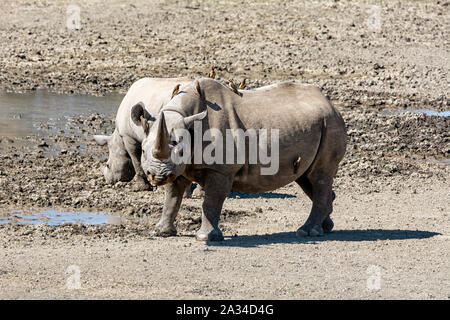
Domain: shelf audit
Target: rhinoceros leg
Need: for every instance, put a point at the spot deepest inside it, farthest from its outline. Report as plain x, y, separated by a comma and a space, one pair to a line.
303, 182
133, 148
322, 198
320, 176
216, 187
173, 195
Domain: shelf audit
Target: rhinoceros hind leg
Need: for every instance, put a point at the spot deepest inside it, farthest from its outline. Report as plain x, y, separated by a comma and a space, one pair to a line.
327, 224
320, 191
312, 230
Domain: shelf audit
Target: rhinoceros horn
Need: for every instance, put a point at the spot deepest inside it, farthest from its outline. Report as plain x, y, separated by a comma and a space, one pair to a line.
161, 149
189, 121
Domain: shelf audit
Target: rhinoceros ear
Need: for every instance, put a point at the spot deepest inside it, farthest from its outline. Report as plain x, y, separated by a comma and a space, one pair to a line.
101, 139
136, 112
198, 89
140, 116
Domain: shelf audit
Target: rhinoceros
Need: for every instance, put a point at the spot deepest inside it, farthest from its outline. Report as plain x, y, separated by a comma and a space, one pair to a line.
148, 95
311, 142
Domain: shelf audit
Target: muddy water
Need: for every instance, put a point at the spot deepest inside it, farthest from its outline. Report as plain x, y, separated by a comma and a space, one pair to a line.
23, 115
427, 112
54, 218
20, 114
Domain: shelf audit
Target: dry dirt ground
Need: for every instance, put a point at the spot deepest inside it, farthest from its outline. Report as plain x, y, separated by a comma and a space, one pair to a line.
391, 214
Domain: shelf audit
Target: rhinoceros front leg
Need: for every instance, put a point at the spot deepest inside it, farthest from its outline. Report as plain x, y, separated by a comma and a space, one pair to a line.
321, 195
140, 182
216, 187
173, 195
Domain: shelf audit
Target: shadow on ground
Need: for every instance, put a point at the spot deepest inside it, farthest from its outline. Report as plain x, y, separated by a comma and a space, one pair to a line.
339, 235
267, 195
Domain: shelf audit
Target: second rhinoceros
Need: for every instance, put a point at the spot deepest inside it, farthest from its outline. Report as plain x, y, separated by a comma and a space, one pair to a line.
148, 95
311, 141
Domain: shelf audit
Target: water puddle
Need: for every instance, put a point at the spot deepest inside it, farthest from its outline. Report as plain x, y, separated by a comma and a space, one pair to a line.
22, 113
434, 161
55, 218
387, 112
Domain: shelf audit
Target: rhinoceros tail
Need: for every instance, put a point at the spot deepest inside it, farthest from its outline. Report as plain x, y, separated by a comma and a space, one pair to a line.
319, 149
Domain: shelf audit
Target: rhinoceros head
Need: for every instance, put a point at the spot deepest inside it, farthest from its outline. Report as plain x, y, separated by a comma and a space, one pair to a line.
119, 166
163, 149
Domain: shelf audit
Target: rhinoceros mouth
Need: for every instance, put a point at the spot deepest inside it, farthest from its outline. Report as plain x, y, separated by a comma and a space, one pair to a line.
160, 181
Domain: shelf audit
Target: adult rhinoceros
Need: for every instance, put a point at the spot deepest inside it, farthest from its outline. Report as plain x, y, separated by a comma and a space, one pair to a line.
312, 142
124, 145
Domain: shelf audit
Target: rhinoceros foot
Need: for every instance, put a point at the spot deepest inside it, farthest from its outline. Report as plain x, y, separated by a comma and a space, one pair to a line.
163, 230
140, 184
213, 235
310, 230
327, 225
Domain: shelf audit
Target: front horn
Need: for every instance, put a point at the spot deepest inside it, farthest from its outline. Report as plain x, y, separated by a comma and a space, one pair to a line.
161, 149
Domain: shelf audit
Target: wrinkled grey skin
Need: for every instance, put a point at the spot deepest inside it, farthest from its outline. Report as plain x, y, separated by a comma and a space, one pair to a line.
310, 127
125, 143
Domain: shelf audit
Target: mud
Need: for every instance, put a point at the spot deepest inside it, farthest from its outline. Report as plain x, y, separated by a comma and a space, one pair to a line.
404, 63
392, 188
65, 170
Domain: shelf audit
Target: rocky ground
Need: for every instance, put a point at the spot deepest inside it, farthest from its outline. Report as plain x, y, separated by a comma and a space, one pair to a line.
402, 61
391, 213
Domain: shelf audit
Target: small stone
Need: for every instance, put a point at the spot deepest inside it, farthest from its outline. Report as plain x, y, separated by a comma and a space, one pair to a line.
43, 144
